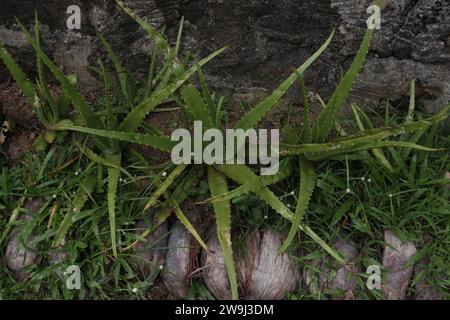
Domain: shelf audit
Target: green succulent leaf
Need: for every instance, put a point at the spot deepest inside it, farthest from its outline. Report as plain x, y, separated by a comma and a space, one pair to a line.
252, 118
218, 185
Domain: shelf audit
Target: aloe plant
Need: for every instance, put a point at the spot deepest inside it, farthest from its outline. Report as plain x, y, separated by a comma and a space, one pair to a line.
115, 130
108, 125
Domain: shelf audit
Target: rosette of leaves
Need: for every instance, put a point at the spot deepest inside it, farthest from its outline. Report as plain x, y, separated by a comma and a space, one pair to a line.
117, 117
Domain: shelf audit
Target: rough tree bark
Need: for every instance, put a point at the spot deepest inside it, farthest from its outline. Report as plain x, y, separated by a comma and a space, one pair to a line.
266, 39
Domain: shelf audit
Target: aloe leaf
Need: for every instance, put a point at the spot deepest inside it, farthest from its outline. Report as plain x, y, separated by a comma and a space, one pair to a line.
243, 174
113, 179
85, 189
91, 155
378, 153
307, 134
308, 180
262, 181
218, 185
252, 118
206, 94
19, 76
196, 106
154, 141
165, 185
135, 117
151, 74
326, 119
77, 99
120, 70
368, 136
185, 221
111, 119
157, 37
368, 146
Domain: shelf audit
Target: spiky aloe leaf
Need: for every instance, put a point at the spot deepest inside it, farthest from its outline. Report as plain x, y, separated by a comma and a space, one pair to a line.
134, 118
77, 99
151, 74
157, 37
83, 193
19, 76
42, 81
185, 221
206, 94
218, 185
120, 70
326, 119
111, 119
308, 180
368, 146
179, 195
113, 179
257, 113
243, 174
378, 153
368, 136
162, 188
195, 106
307, 134
154, 141
285, 171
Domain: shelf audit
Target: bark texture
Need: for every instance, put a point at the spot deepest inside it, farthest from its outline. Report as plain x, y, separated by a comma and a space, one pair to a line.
266, 39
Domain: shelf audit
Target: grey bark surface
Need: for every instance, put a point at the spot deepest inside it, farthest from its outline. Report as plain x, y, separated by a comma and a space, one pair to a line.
266, 39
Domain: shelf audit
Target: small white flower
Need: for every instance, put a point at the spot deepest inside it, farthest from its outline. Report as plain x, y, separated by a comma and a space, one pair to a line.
75, 209
164, 174
348, 191
124, 180
363, 178
76, 173
120, 180
292, 193
54, 196
265, 217
390, 195
135, 290
161, 267
369, 180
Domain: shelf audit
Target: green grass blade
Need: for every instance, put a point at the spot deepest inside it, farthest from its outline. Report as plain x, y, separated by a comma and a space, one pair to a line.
257, 113
113, 179
85, 189
327, 117
243, 174
308, 180
218, 185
